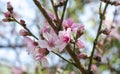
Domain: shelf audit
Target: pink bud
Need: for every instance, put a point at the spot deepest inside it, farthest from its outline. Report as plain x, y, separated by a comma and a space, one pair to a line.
6, 20
97, 58
106, 31
80, 44
7, 14
9, 7
67, 23
22, 22
35, 43
81, 27
23, 32
82, 56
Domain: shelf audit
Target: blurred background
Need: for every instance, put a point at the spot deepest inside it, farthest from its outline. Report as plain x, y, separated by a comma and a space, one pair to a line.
15, 60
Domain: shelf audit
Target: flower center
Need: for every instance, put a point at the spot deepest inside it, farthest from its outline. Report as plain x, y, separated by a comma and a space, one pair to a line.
66, 39
51, 43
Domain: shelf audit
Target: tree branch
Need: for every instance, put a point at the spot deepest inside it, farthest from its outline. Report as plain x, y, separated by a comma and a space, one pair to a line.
41, 8
102, 16
78, 64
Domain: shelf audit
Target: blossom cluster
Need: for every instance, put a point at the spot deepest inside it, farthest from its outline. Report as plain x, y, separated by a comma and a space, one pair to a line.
49, 41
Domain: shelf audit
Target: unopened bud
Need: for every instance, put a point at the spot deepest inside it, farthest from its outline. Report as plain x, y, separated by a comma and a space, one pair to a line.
82, 56
35, 43
80, 31
22, 22
97, 58
106, 31
116, 3
80, 44
7, 14
9, 7
23, 32
61, 3
42, 51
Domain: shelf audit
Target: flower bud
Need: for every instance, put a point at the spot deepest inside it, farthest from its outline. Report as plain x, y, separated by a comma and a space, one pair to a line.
35, 43
116, 3
80, 44
61, 3
82, 56
22, 22
7, 14
106, 31
80, 31
9, 7
6, 20
23, 32
97, 58
42, 51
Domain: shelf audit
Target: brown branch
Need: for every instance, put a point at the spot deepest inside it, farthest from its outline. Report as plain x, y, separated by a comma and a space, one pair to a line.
55, 10
41, 8
78, 64
102, 17
61, 20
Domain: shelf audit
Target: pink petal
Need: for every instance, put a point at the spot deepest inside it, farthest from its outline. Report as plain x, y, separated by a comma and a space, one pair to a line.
80, 44
43, 44
29, 44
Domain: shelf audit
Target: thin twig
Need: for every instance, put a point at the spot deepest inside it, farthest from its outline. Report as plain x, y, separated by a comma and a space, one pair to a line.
55, 10
102, 16
31, 34
62, 17
63, 58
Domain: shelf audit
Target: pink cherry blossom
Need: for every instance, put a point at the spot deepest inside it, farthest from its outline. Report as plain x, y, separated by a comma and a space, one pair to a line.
49, 41
38, 54
82, 56
80, 44
115, 33
7, 14
75, 27
41, 53
9, 7
30, 46
67, 23
41, 56
23, 32
64, 39
47, 28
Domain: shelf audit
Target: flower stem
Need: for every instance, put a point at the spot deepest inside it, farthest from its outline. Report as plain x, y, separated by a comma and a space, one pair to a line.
31, 34
102, 16
63, 58
63, 13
